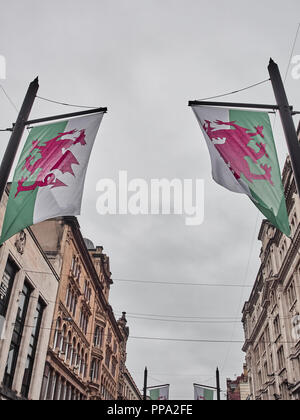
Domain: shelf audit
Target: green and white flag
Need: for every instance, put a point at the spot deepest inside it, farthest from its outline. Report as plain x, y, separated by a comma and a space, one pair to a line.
160, 393
203, 394
244, 158
49, 177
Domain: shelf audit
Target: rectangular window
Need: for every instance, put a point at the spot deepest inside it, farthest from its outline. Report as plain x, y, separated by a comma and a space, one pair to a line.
277, 327
292, 294
17, 336
6, 286
107, 358
32, 348
281, 361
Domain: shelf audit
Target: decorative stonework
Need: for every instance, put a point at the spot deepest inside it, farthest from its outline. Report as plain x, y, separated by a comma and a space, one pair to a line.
21, 242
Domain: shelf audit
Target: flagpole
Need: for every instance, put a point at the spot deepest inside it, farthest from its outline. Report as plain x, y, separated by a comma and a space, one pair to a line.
286, 119
218, 384
145, 384
16, 136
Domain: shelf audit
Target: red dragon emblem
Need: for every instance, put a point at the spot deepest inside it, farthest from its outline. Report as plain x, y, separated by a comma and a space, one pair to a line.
233, 145
44, 159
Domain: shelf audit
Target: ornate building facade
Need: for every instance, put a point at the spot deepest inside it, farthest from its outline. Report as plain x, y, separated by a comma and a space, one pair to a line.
271, 315
87, 349
28, 288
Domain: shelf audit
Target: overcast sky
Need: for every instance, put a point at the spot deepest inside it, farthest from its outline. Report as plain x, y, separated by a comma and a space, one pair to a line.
144, 59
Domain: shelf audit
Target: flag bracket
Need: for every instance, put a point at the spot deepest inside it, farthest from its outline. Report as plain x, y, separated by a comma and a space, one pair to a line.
236, 105
65, 116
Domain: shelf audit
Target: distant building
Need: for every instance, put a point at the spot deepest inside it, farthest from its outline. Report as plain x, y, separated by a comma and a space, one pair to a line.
271, 315
28, 288
238, 389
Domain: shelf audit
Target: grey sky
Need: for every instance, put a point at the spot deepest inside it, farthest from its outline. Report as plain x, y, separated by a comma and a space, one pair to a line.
145, 60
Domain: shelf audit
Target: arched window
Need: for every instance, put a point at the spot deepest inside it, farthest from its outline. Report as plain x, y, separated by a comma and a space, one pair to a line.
63, 339
98, 336
68, 296
81, 364
73, 353
57, 335
68, 347
93, 369
85, 365
73, 264
78, 357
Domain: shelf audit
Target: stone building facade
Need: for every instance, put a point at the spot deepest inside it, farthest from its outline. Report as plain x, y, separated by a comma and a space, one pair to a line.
28, 288
271, 315
87, 351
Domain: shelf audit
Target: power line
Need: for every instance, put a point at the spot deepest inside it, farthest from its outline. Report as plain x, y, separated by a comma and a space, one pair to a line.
128, 314
65, 103
182, 284
161, 282
235, 91
193, 340
185, 322
9, 99
185, 340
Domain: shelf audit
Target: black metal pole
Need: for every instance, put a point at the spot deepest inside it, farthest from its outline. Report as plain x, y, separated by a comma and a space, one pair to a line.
15, 138
218, 385
145, 384
286, 119
234, 105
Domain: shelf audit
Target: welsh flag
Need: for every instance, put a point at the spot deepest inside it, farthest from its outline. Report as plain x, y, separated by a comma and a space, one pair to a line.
244, 158
203, 394
160, 393
49, 177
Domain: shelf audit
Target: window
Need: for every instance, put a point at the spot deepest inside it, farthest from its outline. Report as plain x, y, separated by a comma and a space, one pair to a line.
32, 348
98, 338
281, 360
73, 264
273, 299
6, 286
271, 363
266, 372
17, 336
292, 294
73, 353
267, 335
94, 370
259, 379
256, 354
113, 368
84, 321
109, 336
263, 344
81, 364
68, 347
71, 300
57, 335
107, 357
277, 328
